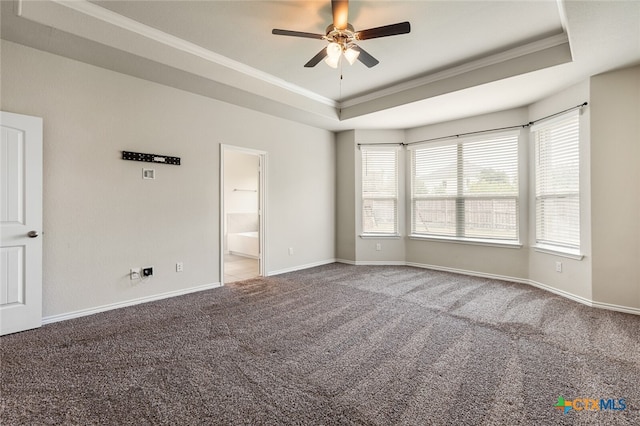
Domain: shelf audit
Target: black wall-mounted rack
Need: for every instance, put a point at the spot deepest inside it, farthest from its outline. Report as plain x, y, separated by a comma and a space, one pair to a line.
150, 158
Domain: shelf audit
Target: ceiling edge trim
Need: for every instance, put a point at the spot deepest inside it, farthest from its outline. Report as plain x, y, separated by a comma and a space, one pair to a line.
109, 17
534, 61
516, 52
562, 14
564, 21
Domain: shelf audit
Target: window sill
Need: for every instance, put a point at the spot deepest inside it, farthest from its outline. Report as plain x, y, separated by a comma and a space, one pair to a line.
468, 241
380, 236
557, 251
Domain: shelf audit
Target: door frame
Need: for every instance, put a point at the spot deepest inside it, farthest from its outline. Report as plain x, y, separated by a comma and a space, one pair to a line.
262, 205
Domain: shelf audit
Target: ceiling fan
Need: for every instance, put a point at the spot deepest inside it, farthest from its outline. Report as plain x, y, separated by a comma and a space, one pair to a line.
342, 38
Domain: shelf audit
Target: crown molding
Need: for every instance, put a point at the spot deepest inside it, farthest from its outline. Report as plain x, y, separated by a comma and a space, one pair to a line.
88, 21
497, 58
94, 11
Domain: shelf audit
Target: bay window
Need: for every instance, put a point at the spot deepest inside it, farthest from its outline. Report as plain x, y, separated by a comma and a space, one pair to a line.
466, 188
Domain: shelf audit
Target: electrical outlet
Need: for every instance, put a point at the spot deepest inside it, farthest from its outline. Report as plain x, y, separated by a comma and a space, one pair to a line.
179, 267
558, 266
147, 272
134, 274
378, 246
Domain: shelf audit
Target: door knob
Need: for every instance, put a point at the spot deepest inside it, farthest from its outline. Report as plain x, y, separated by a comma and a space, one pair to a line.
32, 234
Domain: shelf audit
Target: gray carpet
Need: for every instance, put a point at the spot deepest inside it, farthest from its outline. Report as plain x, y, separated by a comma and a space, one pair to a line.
335, 344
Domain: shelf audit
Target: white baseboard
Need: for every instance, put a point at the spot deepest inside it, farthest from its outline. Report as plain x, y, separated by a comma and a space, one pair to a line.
584, 300
617, 308
562, 293
132, 302
381, 262
300, 267
571, 296
566, 294
372, 262
470, 273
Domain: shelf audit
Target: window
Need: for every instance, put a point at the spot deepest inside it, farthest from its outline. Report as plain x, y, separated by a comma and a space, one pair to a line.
557, 174
379, 190
466, 189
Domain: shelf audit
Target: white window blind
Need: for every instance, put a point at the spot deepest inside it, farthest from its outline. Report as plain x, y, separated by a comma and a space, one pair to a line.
557, 173
466, 188
379, 190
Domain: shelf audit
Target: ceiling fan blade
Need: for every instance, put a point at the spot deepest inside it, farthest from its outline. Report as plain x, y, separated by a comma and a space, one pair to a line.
296, 34
316, 59
385, 31
365, 57
340, 9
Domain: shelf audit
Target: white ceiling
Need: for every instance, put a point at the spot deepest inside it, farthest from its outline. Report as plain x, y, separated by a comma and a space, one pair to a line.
461, 58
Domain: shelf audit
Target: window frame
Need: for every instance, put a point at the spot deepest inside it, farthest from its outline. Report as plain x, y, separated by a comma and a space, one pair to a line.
460, 198
544, 242
395, 233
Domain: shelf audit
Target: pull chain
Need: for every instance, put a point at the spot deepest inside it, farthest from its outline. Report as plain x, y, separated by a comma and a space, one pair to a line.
340, 88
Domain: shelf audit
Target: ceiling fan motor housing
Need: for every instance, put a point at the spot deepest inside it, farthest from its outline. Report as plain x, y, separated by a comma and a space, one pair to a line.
344, 38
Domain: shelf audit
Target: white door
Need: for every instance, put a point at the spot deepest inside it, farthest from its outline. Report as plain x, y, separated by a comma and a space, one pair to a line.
20, 222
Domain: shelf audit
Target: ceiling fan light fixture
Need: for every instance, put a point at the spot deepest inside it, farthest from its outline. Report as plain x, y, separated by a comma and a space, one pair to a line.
332, 61
334, 50
351, 54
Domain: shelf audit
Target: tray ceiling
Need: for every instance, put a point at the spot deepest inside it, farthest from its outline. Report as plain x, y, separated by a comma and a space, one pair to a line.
461, 58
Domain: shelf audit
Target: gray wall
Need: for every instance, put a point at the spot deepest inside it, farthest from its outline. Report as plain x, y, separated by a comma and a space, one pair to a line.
345, 197
351, 246
615, 183
101, 218
608, 275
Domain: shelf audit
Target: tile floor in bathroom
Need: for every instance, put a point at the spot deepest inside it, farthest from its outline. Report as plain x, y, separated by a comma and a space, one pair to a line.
237, 268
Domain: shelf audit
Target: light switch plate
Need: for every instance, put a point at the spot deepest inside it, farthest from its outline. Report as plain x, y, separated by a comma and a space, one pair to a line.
148, 174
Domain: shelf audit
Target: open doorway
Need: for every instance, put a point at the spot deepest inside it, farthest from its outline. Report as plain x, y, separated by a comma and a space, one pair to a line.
242, 219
